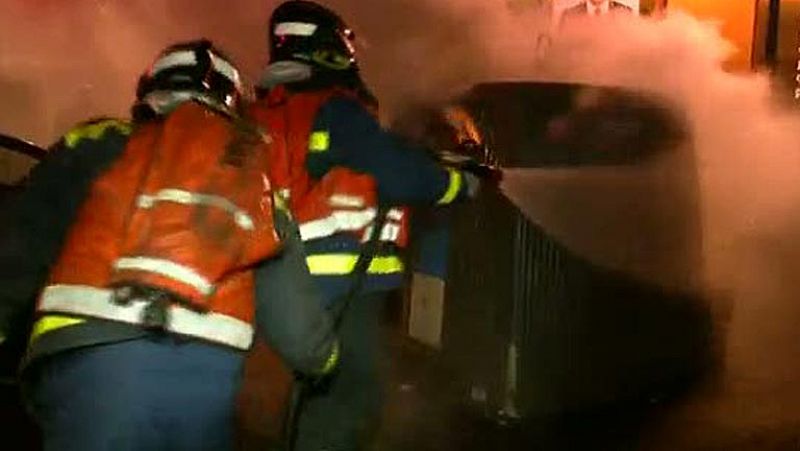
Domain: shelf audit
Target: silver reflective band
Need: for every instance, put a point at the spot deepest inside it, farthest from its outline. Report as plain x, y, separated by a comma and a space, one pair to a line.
174, 59
343, 220
395, 214
338, 221
390, 232
188, 58
184, 197
343, 200
295, 29
96, 302
226, 69
169, 269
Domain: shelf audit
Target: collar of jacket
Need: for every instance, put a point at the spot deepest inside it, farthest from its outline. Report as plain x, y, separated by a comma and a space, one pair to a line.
296, 76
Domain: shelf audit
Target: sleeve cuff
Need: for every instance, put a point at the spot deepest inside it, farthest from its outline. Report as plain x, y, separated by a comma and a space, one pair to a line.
453, 187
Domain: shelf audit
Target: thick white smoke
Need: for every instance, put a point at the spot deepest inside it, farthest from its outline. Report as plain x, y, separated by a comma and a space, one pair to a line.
747, 149
61, 62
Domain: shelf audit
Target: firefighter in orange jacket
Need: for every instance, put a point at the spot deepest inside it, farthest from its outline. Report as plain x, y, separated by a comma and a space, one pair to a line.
340, 169
172, 237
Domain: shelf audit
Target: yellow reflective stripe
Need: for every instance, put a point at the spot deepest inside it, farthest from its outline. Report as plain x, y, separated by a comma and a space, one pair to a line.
331, 60
50, 323
340, 264
333, 359
453, 188
95, 131
319, 141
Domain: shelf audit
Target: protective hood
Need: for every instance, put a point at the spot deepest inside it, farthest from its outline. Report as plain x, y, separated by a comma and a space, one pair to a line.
283, 72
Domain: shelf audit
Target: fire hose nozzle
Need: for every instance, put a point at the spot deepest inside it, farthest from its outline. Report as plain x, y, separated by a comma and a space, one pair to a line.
486, 172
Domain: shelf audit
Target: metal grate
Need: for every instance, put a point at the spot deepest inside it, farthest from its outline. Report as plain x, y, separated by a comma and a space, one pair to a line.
582, 336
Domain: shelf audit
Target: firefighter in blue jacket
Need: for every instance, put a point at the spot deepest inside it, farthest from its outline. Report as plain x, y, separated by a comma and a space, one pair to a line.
341, 171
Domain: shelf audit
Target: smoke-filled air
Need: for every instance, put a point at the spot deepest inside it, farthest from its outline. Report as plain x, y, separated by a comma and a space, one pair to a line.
64, 61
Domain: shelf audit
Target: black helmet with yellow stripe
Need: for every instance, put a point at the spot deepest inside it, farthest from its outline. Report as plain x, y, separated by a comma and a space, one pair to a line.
307, 32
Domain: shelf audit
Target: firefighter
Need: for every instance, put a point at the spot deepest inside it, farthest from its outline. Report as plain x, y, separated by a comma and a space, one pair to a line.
343, 175
159, 236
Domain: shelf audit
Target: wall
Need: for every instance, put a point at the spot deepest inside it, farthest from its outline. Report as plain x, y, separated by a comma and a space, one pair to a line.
737, 18
787, 59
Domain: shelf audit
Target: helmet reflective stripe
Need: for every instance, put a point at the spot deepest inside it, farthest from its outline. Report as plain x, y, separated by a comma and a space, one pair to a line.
295, 29
97, 302
188, 71
308, 32
189, 58
225, 68
174, 59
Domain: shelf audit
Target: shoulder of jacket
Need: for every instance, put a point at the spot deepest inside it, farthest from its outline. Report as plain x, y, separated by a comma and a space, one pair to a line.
345, 105
95, 129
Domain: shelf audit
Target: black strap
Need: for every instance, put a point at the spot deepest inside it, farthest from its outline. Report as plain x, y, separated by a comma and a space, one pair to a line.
368, 251
301, 387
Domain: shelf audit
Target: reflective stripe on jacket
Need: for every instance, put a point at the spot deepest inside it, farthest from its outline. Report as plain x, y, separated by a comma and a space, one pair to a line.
185, 210
98, 303
341, 203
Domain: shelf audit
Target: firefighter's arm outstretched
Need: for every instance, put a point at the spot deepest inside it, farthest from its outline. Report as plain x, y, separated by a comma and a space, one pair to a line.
289, 308
346, 134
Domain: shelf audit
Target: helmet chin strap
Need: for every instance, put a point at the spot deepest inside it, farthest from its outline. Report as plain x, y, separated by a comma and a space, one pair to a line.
331, 60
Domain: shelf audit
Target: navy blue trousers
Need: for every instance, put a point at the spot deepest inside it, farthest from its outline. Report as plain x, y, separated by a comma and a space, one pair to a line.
144, 394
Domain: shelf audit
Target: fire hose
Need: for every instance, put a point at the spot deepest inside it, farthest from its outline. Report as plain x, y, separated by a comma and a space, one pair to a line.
303, 386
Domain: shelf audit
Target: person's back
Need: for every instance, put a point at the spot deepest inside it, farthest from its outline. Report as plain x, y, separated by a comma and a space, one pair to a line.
153, 291
344, 176
339, 163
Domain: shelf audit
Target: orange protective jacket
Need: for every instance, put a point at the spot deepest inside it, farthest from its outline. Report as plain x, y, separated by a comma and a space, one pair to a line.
342, 201
185, 213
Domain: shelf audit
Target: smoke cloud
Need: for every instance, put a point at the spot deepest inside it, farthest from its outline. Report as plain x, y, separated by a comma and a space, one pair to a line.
61, 62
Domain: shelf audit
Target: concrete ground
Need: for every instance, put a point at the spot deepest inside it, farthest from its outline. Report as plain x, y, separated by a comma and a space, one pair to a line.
425, 413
